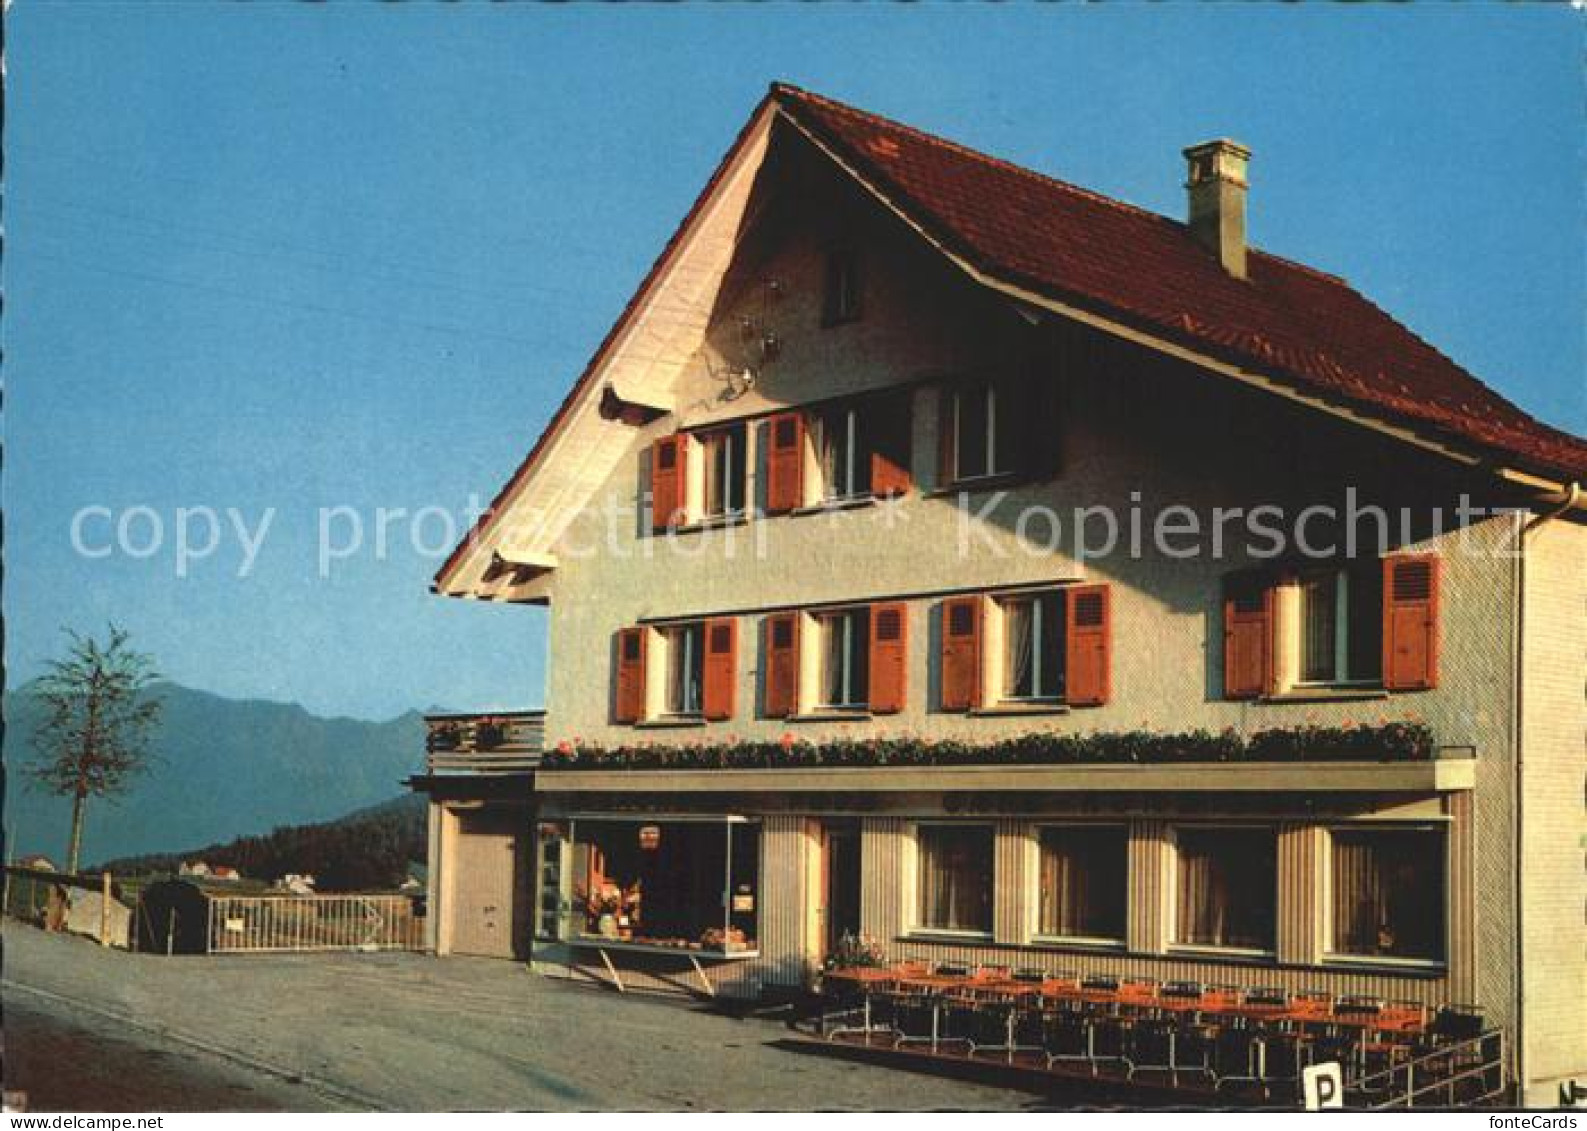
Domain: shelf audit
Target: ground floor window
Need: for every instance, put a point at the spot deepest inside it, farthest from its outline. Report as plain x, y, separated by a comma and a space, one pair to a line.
683, 884
1226, 888
1388, 893
955, 878
1084, 885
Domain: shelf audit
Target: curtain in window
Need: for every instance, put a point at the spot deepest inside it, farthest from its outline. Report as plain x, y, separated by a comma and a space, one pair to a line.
1388, 893
1018, 627
835, 646
1226, 887
955, 878
1083, 882
684, 670
1317, 596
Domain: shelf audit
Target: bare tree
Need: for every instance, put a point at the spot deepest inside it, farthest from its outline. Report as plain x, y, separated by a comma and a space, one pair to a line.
99, 715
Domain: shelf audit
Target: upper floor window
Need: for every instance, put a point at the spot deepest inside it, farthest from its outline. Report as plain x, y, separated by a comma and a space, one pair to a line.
1083, 882
1019, 650
978, 431
1227, 888
685, 672
1341, 624
724, 471
845, 453
845, 654
1373, 622
954, 878
841, 300
1033, 647
1388, 893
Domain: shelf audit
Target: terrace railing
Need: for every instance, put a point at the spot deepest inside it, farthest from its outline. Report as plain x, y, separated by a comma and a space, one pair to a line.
1467, 1073
503, 742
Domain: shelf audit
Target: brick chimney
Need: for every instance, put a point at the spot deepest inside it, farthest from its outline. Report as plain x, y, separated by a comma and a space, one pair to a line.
1217, 200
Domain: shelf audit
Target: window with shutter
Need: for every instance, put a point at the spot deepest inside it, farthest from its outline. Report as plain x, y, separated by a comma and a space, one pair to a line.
668, 480
1410, 622
889, 658
1088, 667
721, 668
781, 668
1247, 635
785, 462
961, 653
629, 694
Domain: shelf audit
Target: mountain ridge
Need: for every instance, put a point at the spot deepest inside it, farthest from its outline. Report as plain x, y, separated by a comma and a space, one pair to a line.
222, 768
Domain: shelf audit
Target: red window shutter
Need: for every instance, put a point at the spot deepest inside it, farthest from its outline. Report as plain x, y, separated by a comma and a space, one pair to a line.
1410, 622
889, 657
630, 693
1088, 661
782, 665
667, 478
890, 419
721, 668
1247, 635
785, 462
961, 653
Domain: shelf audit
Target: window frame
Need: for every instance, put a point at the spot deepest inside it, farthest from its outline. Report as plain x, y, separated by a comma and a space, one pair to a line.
1034, 598
673, 669
1042, 937
1175, 944
1333, 956
994, 433
1344, 615
856, 654
733, 483
916, 927
855, 452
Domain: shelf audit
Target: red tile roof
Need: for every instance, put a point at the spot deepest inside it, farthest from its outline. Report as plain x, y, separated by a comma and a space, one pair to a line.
1309, 329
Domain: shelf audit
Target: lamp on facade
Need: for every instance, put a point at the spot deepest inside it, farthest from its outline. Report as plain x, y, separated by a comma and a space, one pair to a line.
649, 837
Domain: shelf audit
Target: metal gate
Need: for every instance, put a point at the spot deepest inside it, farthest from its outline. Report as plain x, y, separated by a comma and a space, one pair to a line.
256, 924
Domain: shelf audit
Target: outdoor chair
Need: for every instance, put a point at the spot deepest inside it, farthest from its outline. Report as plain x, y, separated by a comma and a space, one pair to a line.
1109, 1037
992, 1029
958, 1021
1235, 1055
1455, 1023
914, 1020
1065, 1036
1195, 1044
1151, 1046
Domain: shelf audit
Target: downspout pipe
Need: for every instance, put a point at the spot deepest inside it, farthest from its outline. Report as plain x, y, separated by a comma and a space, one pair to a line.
1573, 495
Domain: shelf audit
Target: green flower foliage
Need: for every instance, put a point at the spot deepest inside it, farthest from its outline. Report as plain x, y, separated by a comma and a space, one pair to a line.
1387, 742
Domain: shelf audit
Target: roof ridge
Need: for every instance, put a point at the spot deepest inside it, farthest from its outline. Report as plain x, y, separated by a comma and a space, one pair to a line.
968, 151
781, 89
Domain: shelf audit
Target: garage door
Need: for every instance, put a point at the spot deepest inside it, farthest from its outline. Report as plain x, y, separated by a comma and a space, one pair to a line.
489, 883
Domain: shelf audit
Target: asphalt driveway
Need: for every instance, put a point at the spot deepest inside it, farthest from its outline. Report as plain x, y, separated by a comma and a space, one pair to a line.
403, 1032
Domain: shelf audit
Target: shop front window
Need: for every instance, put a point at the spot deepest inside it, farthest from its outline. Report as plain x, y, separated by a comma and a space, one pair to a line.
677, 884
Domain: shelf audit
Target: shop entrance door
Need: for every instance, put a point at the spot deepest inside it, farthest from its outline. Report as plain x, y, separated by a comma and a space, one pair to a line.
841, 872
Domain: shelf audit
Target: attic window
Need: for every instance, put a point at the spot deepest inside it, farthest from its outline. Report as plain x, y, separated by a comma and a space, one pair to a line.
842, 300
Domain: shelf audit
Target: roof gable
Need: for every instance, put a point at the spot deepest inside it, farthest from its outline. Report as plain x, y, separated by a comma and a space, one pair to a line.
1298, 327
1146, 270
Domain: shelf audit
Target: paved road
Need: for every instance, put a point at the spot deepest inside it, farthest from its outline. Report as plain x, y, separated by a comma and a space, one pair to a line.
410, 1033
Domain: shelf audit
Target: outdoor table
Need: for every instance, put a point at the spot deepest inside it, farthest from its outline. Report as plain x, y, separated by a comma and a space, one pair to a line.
867, 979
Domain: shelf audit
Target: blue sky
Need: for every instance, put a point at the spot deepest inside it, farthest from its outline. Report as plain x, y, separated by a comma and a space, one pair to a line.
293, 257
